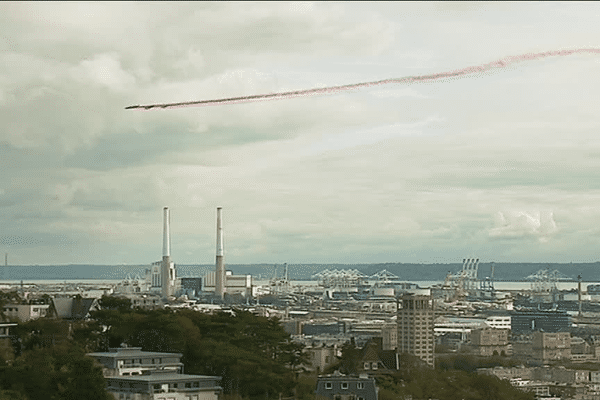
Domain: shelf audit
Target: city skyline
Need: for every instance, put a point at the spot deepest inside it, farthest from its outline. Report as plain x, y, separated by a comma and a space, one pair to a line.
498, 164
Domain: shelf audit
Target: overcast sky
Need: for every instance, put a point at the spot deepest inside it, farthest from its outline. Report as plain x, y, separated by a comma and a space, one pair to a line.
503, 165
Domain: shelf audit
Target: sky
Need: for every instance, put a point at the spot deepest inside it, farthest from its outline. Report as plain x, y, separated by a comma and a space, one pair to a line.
502, 165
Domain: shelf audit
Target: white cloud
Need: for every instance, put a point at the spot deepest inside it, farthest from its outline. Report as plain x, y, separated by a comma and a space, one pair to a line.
520, 223
104, 70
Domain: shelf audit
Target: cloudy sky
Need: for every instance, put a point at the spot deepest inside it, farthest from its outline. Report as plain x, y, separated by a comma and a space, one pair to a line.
503, 165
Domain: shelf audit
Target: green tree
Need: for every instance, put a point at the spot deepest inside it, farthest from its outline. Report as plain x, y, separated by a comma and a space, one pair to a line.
118, 303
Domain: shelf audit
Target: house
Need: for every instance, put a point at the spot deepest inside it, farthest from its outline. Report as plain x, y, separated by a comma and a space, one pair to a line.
25, 312
375, 360
321, 357
346, 387
5, 328
6, 348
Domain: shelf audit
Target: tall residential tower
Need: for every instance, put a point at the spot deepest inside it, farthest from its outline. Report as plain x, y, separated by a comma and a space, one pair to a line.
415, 326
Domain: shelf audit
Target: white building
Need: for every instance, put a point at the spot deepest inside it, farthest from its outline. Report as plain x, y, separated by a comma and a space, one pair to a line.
125, 361
26, 312
499, 322
164, 385
133, 374
234, 284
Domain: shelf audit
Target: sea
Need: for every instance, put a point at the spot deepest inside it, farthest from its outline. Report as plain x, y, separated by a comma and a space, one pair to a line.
113, 274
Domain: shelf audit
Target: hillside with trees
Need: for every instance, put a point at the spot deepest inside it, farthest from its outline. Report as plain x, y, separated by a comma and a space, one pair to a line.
254, 356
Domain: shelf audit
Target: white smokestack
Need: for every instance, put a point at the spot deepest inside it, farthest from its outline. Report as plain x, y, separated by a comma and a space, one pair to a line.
220, 267
219, 232
165, 274
166, 234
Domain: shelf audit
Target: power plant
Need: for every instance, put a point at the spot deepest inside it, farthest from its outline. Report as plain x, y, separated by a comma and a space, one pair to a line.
162, 277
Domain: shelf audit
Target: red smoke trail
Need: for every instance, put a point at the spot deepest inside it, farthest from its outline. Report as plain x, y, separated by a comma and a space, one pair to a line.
502, 63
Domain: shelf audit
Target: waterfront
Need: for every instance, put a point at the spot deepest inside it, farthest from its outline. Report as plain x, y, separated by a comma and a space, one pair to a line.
107, 283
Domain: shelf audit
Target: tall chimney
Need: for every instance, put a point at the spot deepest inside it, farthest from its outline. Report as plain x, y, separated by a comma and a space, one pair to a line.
220, 267
166, 260
579, 293
166, 233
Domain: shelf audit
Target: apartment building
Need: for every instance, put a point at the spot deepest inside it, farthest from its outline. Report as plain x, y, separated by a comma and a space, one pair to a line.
549, 346
416, 327
164, 385
489, 342
133, 374
130, 361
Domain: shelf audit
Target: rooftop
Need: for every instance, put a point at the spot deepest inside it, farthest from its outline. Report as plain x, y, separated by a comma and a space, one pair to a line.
132, 352
164, 377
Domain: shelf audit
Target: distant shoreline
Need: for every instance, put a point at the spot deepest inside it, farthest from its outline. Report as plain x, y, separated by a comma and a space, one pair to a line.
503, 272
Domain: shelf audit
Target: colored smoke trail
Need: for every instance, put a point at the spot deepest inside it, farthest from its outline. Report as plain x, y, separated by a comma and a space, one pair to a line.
502, 63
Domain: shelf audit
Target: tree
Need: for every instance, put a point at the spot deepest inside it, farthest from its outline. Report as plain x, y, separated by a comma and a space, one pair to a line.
61, 372
119, 303
350, 357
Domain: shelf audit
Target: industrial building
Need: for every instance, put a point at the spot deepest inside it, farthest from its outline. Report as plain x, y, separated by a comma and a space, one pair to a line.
161, 277
233, 284
535, 320
191, 286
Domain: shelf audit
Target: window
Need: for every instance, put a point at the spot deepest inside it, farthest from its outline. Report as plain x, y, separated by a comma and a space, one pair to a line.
188, 385
360, 385
328, 385
374, 365
344, 385
361, 398
367, 365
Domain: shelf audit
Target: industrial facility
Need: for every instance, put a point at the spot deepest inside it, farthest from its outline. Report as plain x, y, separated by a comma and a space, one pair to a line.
162, 278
